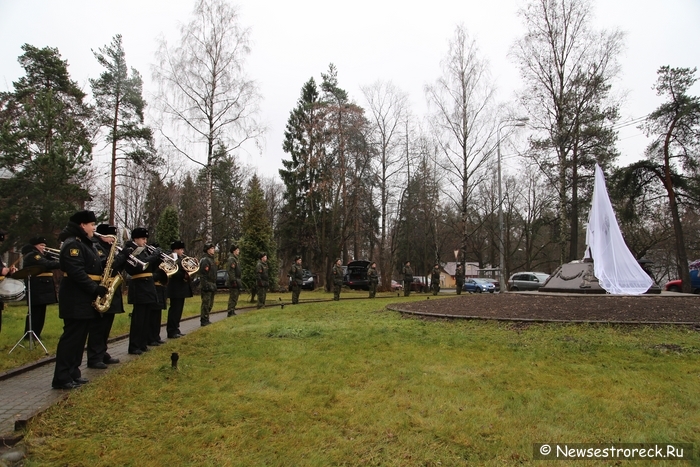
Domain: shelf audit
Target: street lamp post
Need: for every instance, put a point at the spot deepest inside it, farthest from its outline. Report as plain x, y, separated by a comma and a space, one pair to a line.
501, 266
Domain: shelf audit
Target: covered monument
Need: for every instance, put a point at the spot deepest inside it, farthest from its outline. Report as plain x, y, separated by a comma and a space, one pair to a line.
608, 265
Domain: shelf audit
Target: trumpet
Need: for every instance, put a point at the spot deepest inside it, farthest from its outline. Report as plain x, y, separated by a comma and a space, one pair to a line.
133, 260
168, 265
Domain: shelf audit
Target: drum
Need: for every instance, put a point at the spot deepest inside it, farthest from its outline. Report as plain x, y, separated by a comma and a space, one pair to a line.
11, 290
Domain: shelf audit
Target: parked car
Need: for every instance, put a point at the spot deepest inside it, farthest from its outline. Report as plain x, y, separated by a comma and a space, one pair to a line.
420, 284
221, 277
396, 285
677, 284
478, 286
310, 281
356, 276
527, 280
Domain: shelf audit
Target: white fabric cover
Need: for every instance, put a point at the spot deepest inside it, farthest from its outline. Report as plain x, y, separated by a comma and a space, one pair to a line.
617, 270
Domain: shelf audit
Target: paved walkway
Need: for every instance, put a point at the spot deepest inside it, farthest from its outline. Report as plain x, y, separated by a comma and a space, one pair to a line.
26, 395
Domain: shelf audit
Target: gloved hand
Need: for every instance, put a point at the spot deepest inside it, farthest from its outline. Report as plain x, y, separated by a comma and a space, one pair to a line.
100, 292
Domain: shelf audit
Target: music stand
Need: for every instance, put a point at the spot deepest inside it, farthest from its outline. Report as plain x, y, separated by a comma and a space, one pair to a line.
27, 273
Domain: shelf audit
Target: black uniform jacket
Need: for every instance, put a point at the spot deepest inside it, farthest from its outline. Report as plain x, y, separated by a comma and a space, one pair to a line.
142, 289
82, 273
179, 284
160, 279
103, 248
41, 285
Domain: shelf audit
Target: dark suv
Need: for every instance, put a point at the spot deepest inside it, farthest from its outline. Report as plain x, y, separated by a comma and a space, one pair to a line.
310, 281
356, 276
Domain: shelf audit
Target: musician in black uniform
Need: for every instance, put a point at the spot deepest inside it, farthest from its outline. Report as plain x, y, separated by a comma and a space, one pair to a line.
160, 279
179, 288
82, 271
142, 290
4, 271
97, 355
41, 286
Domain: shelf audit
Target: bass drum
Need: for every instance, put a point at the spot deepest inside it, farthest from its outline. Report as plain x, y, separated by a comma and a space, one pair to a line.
11, 290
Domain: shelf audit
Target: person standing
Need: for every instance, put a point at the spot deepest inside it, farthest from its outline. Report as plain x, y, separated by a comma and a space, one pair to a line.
373, 279
233, 280
407, 278
41, 286
459, 278
179, 288
296, 279
435, 279
142, 290
155, 318
207, 284
97, 355
262, 279
337, 273
82, 273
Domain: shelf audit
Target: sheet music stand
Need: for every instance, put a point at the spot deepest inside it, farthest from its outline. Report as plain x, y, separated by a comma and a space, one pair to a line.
22, 274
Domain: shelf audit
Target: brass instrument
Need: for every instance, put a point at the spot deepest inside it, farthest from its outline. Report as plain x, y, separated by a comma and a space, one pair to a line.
102, 304
168, 264
131, 259
52, 253
189, 264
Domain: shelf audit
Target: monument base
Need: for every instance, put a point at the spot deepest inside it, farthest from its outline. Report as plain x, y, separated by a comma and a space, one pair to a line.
579, 277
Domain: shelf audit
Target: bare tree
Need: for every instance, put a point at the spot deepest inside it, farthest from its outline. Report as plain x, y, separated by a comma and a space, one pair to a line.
388, 107
567, 68
462, 121
204, 92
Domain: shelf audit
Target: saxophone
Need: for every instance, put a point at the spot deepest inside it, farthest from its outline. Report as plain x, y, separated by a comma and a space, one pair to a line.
102, 304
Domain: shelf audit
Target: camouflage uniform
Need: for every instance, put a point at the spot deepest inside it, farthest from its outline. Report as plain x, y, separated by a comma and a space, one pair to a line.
296, 279
337, 272
435, 280
459, 279
207, 285
373, 279
262, 276
233, 282
407, 279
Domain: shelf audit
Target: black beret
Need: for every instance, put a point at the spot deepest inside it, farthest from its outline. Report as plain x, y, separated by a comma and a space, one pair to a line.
177, 244
83, 217
207, 247
37, 240
106, 229
139, 232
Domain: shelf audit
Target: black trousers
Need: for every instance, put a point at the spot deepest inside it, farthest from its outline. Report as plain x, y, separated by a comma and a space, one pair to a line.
69, 352
97, 339
154, 318
139, 330
38, 319
175, 315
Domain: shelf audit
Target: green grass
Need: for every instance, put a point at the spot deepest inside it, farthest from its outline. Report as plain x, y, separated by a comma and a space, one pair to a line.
346, 383
13, 318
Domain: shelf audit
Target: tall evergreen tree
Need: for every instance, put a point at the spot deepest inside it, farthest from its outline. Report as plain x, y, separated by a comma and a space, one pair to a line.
257, 236
44, 145
119, 108
168, 227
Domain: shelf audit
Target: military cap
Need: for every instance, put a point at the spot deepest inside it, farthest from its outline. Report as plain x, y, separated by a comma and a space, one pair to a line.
262, 253
37, 240
297, 257
106, 229
177, 244
139, 232
233, 248
208, 246
83, 217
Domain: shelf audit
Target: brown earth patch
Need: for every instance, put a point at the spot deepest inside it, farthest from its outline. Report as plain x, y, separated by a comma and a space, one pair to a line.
546, 307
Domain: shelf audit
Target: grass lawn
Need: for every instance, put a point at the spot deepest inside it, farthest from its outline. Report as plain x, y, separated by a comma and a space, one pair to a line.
347, 383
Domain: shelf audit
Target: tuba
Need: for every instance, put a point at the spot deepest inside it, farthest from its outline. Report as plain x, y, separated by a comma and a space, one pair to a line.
102, 304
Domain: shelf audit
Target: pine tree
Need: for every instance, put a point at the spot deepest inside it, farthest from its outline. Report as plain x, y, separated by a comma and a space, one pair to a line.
257, 236
168, 227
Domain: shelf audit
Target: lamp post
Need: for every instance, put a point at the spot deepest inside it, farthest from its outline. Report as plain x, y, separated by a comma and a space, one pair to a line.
510, 122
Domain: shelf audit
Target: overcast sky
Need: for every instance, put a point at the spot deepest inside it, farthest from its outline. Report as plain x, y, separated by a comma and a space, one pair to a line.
367, 41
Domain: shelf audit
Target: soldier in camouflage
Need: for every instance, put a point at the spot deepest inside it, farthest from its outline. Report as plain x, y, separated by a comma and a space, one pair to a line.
435, 279
373, 279
207, 274
337, 273
407, 278
233, 280
262, 279
459, 279
296, 279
